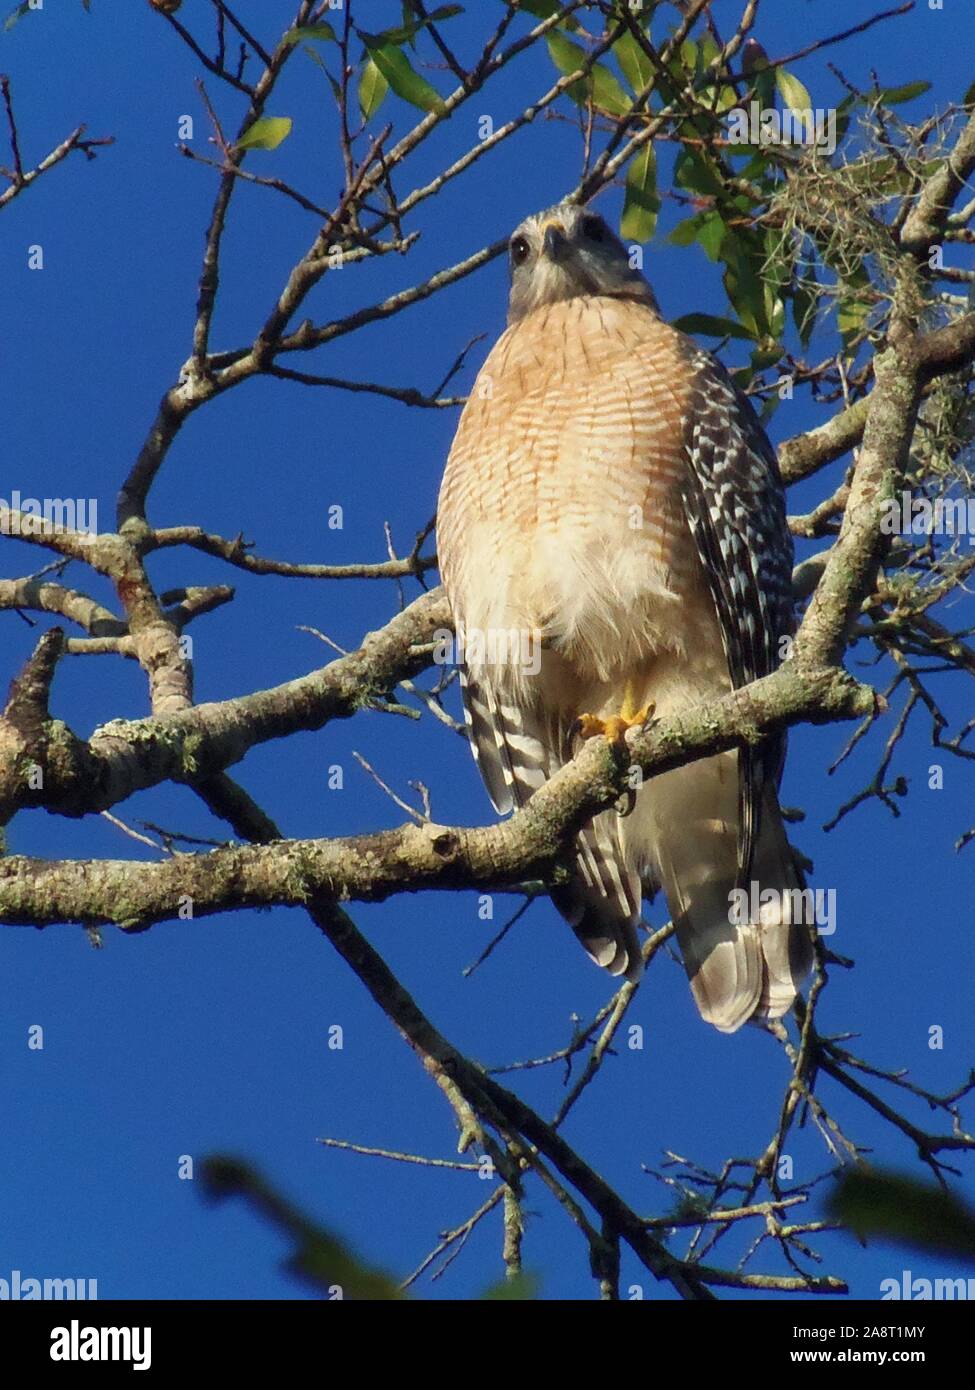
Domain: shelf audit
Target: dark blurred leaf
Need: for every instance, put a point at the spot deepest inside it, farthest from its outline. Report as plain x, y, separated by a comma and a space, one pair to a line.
641, 204
520, 1289
901, 1209
753, 56
710, 327
265, 134
319, 1256
395, 67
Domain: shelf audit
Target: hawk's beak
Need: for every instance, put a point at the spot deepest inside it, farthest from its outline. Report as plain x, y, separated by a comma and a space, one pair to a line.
554, 241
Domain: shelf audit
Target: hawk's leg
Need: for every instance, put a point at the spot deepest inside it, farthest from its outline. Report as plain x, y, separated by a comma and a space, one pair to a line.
614, 728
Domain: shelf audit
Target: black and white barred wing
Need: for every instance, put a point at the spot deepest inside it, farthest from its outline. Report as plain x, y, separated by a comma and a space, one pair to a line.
735, 508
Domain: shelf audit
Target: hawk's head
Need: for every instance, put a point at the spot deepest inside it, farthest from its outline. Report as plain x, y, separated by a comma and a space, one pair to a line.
567, 251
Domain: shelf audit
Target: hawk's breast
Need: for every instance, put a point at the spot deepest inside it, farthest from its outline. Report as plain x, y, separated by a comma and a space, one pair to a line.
561, 508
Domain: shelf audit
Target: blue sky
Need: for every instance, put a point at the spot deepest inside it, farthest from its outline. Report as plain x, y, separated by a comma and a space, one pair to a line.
208, 1037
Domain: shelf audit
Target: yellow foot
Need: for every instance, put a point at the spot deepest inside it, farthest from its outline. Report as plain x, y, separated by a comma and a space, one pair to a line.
614, 728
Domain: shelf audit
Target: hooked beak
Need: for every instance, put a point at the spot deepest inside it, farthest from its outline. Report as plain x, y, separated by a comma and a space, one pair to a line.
554, 241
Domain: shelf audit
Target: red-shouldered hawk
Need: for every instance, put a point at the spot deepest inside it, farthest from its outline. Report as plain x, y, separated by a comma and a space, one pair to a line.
612, 539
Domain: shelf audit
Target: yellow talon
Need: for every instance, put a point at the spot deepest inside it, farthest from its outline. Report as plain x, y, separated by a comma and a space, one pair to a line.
588, 726
614, 728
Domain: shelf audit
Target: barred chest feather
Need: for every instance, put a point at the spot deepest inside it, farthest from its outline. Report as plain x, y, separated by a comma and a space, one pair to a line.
561, 509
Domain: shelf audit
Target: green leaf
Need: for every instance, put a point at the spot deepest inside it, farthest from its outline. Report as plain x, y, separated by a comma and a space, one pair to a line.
795, 97
317, 59
904, 1210
635, 66
600, 86
805, 304
395, 67
711, 234
408, 31
607, 92
710, 326
851, 316
408, 12
697, 174
265, 134
722, 99
765, 80
372, 90
766, 354
894, 96
544, 9
854, 303
968, 100
17, 13
744, 285
641, 204
686, 232
324, 32
792, 92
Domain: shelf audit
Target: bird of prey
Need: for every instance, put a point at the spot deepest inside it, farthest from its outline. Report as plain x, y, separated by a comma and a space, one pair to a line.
611, 495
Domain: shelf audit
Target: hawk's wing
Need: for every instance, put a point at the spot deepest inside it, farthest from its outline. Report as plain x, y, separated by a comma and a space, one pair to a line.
735, 507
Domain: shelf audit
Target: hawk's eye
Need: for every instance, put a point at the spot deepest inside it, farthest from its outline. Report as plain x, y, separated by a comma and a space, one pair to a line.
594, 228
519, 250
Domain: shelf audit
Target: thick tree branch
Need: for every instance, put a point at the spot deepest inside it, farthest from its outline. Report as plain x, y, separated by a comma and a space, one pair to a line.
429, 856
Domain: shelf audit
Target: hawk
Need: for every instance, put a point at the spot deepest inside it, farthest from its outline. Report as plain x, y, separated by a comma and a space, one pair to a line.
612, 539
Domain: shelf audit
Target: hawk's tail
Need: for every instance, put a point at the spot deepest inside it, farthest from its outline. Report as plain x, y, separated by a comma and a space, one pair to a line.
602, 901
747, 948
